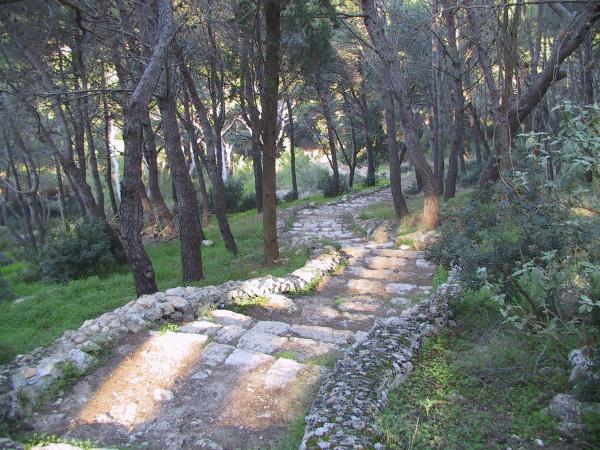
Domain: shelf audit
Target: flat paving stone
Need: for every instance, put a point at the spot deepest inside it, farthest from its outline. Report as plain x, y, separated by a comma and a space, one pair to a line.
384, 262
283, 372
247, 359
325, 334
363, 286
262, 342
200, 327
215, 353
279, 302
271, 326
229, 333
226, 317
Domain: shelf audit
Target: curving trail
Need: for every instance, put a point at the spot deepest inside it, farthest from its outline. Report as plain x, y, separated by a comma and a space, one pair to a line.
233, 380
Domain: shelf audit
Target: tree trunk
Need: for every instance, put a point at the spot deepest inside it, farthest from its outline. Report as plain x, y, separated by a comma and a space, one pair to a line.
272, 14
364, 108
210, 157
391, 69
147, 206
109, 146
400, 205
150, 155
330, 129
135, 115
190, 231
456, 152
291, 133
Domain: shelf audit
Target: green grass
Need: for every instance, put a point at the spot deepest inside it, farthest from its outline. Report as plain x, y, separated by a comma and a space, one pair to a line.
287, 355
381, 210
478, 385
54, 308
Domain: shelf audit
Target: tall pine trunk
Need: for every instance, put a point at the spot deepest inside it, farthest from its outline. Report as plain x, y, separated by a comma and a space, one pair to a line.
190, 231
272, 13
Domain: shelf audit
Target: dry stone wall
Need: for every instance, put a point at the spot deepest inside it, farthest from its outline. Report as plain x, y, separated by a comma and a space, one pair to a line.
24, 381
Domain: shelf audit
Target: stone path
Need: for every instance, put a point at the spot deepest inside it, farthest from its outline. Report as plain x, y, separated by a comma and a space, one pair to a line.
229, 380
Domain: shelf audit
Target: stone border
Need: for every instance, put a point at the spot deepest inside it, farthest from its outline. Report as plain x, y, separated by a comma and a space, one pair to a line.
29, 377
342, 415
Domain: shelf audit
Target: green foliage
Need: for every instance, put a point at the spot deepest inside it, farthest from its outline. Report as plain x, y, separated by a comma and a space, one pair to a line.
440, 277
472, 176
591, 421
238, 200
325, 185
6, 243
83, 251
5, 290
378, 211
536, 258
287, 355
168, 327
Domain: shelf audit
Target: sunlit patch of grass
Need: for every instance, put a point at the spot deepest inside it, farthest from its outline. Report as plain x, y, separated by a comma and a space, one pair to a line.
381, 210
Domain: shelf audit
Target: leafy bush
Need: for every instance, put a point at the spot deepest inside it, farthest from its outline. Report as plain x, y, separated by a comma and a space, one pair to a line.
5, 290
247, 202
535, 244
471, 177
237, 199
81, 252
6, 243
4, 259
325, 185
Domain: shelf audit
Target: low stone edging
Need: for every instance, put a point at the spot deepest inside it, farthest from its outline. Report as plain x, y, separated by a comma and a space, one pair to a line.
29, 377
342, 415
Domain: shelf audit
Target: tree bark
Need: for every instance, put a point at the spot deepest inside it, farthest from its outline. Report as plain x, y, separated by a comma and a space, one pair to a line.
391, 68
209, 158
272, 14
323, 98
400, 205
459, 104
190, 231
167, 221
291, 133
135, 114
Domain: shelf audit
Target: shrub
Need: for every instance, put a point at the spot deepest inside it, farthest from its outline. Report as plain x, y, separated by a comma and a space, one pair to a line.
83, 251
4, 259
5, 290
530, 245
471, 177
237, 199
6, 243
325, 185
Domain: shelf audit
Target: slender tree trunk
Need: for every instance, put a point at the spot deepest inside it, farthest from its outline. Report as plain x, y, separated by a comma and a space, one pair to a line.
364, 108
456, 153
391, 68
257, 169
291, 133
272, 14
61, 195
330, 129
150, 155
210, 158
190, 231
147, 206
109, 146
400, 205
135, 115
